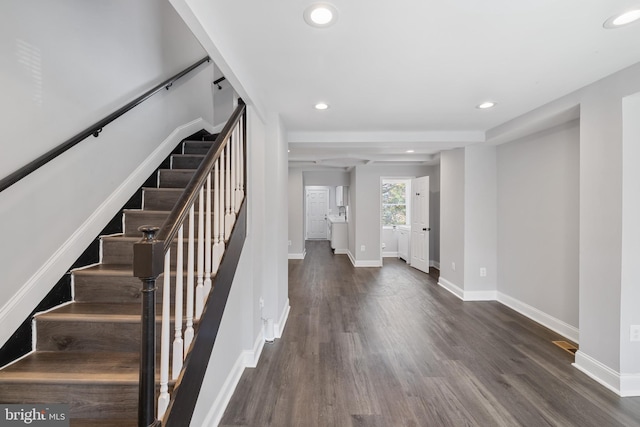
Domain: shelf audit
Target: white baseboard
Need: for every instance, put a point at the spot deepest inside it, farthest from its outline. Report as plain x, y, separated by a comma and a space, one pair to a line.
298, 256
434, 264
246, 359
284, 316
390, 254
480, 295
451, 287
624, 385
341, 251
541, 317
363, 263
20, 305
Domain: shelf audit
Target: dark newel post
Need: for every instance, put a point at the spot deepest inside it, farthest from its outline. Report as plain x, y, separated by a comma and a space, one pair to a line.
148, 257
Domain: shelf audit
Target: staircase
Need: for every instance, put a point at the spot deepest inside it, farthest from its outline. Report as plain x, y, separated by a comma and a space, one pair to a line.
87, 351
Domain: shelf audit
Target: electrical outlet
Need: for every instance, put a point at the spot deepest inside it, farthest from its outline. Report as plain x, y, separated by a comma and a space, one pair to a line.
384, 245
453, 266
362, 248
635, 333
261, 301
289, 242
483, 272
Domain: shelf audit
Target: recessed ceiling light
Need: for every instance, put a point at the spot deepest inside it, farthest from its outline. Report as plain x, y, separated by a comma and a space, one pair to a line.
321, 15
410, 151
486, 105
625, 18
321, 106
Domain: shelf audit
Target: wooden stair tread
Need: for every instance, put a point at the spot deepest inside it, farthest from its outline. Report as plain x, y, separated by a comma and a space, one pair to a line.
95, 312
74, 367
105, 269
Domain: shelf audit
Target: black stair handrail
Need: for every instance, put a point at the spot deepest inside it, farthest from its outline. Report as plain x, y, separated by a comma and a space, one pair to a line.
94, 129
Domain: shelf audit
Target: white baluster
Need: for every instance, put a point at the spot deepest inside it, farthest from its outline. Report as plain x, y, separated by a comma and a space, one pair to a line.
163, 399
222, 211
234, 170
188, 332
207, 240
216, 254
200, 285
240, 191
178, 344
229, 217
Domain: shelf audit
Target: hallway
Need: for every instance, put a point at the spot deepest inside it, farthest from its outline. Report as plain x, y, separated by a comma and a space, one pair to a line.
389, 347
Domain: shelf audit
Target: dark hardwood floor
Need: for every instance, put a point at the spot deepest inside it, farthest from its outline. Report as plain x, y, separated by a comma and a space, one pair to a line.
389, 347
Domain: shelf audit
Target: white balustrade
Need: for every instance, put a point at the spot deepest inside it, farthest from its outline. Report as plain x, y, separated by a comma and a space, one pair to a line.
202, 260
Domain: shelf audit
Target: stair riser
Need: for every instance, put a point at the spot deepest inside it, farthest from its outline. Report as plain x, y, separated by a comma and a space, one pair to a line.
174, 178
135, 219
116, 289
85, 400
121, 252
196, 147
186, 162
91, 336
159, 200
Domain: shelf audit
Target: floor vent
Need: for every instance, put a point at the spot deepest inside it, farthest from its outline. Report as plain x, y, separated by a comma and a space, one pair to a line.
566, 346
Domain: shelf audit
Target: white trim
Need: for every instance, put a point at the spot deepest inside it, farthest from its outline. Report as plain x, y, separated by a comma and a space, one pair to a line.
454, 289
245, 359
364, 263
390, 254
341, 251
434, 264
279, 327
630, 385
541, 317
298, 256
18, 307
480, 295
624, 385
251, 358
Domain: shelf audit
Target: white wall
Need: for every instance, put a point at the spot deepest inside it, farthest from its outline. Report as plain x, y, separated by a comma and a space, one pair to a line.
434, 215
64, 68
480, 221
538, 211
330, 179
367, 217
452, 217
630, 291
296, 213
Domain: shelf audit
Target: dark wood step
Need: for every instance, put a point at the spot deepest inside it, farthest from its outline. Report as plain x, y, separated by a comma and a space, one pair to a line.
174, 178
119, 249
196, 147
164, 199
135, 218
186, 161
91, 327
96, 385
113, 283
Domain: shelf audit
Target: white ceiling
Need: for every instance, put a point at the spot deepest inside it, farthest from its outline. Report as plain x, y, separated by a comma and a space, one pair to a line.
408, 74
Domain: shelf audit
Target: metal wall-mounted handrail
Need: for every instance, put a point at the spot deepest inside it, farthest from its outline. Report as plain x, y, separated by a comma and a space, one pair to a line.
94, 129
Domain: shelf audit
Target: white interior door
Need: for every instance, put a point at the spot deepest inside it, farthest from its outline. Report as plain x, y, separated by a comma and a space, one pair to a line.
317, 208
420, 223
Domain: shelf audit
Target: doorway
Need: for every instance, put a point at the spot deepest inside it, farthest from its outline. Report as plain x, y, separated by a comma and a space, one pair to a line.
316, 207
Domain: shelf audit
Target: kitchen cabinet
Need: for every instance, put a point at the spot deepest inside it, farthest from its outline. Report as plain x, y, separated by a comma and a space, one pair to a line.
338, 234
342, 195
404, 240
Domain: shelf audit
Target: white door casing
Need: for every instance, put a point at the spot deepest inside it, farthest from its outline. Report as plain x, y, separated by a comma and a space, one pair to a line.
317, 201
420, 223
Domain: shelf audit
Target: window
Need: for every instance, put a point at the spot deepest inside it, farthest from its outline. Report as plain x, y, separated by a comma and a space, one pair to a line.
395, 202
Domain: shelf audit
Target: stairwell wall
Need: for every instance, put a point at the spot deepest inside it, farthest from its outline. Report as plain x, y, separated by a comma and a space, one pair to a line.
64, 68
